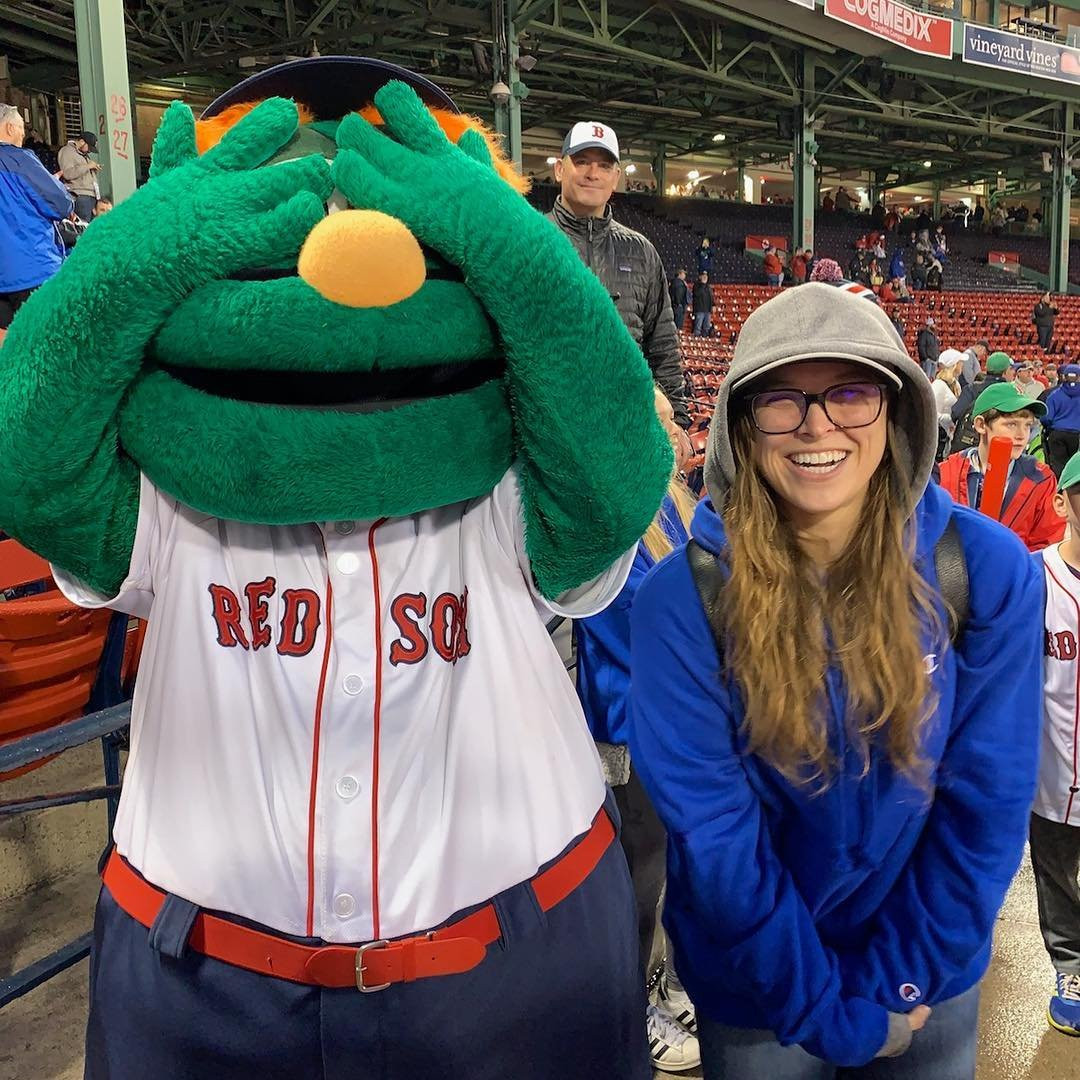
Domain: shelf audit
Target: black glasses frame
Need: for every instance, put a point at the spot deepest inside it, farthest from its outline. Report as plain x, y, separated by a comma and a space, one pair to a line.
817, 399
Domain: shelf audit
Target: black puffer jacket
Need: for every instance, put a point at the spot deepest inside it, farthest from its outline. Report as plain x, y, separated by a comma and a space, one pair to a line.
631, 271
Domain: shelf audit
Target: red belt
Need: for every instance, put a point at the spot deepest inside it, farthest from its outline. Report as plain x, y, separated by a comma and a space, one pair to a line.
452, 950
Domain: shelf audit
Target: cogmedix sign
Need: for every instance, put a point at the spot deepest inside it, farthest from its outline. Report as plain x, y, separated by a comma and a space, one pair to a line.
898, 23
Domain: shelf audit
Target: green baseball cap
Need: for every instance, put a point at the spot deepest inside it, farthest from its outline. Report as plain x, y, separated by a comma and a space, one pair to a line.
1006, 398
998, 362
1070, 475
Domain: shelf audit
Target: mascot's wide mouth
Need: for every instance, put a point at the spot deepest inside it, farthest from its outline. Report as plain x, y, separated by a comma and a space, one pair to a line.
438, 269
341, 391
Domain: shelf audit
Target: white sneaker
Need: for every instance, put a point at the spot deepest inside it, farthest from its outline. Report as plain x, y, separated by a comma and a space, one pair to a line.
675, 1001
672, 1047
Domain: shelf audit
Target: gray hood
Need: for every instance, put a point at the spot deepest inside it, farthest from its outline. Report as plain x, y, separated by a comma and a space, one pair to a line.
816, 321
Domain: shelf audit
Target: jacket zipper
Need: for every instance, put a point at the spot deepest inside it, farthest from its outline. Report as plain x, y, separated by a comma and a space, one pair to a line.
588, 242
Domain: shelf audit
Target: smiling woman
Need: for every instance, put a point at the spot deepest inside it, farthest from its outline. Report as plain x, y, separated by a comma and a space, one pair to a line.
838, 757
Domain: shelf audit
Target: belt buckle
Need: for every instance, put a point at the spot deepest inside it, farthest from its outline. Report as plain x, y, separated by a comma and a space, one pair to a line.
360, 967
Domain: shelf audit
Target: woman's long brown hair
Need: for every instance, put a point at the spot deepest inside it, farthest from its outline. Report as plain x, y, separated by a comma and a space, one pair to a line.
786, 623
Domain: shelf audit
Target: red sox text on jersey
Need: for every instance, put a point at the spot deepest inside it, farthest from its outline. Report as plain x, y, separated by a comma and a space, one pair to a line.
248, 624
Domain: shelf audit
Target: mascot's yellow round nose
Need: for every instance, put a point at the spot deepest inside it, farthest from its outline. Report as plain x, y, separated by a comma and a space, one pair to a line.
362, 258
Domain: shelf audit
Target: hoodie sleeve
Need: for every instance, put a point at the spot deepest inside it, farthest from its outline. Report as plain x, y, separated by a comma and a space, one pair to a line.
940, 914
721, 861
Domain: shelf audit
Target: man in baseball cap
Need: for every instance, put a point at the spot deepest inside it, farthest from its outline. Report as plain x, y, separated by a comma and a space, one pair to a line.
624, 260
1001, 411
79, 174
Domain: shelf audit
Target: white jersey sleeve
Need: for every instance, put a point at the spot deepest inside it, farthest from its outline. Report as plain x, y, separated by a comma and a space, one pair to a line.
136, 592
508, 523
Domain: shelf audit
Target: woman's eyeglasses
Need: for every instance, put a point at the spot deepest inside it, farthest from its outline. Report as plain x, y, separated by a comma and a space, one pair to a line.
847, 405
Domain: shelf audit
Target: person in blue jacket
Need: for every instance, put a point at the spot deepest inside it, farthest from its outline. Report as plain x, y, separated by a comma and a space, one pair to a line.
603, 685
30, 202
897, 266
845, 791
1061, 424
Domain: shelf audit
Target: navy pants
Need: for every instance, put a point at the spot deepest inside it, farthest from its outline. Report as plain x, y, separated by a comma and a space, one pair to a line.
559, 995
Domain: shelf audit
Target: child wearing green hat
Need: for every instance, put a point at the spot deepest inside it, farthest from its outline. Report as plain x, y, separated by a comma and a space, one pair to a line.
1055, 818
1028, 507
1000, 368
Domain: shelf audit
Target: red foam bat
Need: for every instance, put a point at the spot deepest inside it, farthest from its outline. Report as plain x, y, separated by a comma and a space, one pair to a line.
997, 472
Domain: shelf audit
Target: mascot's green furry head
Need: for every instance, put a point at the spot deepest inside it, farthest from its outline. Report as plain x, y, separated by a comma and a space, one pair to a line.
357, 377
330, 301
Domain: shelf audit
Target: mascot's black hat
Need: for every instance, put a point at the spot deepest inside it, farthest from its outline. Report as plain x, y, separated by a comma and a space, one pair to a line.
330, 86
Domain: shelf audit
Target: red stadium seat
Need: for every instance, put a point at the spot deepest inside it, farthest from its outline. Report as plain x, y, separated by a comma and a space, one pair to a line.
50, 650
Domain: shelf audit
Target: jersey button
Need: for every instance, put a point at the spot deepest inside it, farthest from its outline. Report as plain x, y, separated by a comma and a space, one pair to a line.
344, 528
348, 563
347, 787
344, 905
353, 684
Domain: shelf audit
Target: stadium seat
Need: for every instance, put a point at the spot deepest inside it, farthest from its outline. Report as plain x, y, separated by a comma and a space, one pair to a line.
50, 650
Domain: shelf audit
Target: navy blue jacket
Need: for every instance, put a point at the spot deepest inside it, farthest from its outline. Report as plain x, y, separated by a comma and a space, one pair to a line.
603, 646
1063, 408
812, 914
30, 201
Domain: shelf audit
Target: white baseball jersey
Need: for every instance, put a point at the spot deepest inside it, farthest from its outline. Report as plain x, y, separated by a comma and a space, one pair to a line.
349, 730
1057, 798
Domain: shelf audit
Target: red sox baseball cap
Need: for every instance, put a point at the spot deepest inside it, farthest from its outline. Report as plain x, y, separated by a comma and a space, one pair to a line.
589, 134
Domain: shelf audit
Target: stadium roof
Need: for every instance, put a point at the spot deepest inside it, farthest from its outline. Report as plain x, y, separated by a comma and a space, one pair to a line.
669, 75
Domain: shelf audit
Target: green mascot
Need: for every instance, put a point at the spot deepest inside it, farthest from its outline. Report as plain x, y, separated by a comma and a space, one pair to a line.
348, 422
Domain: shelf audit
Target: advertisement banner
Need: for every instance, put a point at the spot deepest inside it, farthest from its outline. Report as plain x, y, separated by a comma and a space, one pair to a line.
804, 3
755, 245
930, 35
989, 47
1005, 260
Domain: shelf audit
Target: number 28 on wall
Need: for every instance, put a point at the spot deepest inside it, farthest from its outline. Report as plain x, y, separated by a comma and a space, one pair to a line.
118, 107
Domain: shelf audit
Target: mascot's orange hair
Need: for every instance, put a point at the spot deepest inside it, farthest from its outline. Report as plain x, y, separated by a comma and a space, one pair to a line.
209, 133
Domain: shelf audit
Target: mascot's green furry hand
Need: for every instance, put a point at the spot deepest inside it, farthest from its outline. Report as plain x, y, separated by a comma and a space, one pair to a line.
79, 342
594, 460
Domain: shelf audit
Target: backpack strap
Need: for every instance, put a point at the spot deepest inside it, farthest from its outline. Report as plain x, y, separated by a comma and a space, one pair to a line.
952, 575
949, 562
708, 581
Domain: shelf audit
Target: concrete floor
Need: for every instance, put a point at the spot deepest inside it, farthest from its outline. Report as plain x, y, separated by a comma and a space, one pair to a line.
41, 1035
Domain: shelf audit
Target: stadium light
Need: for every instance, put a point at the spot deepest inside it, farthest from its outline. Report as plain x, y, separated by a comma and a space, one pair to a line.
918, 198
927, 164
693, 174
719, 137
552, 160
631, 168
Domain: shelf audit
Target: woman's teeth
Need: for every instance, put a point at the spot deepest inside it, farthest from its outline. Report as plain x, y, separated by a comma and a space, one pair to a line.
822, 462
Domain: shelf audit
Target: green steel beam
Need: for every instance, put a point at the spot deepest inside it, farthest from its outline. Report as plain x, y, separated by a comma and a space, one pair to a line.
1060, 208
804, 168
104, 92
505, 69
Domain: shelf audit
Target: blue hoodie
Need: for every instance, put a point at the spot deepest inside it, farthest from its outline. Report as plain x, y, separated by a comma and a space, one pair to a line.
815, 915
1063, 408
603, 645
